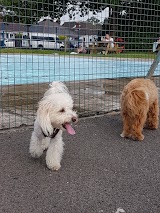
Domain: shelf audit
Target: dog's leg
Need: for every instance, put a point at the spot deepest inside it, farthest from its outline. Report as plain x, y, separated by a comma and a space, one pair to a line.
38, 142
152, 116
126, 127
35, 148
137, 127
54, 152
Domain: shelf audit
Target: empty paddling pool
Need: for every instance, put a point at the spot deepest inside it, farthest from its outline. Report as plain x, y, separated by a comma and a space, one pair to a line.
27, 69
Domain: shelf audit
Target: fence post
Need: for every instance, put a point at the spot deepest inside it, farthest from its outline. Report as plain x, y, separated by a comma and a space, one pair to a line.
153, 66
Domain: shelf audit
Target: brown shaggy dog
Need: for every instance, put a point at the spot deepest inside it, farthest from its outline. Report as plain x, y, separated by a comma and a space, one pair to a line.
139, 108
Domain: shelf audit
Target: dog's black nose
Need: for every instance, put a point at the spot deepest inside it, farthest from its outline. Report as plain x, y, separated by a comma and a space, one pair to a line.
74, 119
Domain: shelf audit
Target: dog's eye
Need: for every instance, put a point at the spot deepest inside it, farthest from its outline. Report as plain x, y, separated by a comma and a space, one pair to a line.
62, 110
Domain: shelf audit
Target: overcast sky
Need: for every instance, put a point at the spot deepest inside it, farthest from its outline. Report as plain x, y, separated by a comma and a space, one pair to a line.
101, 16
77, 12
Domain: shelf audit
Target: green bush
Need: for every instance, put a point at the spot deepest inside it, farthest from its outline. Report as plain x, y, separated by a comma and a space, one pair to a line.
62, 37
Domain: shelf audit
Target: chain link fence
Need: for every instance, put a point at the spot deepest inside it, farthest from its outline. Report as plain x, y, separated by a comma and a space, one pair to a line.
94, 47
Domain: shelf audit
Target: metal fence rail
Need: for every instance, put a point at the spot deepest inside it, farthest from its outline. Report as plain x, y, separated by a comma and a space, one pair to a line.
95, 47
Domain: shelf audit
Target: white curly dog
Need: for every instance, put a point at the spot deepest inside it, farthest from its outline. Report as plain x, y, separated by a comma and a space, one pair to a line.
54, 115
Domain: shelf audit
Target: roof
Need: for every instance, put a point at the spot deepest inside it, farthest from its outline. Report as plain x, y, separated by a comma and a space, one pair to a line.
45, 26
13, 27
51, 27
85, 28
72, 29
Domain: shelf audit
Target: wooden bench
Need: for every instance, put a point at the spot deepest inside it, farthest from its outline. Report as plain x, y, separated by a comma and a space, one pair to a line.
93, 48
114, 49
103, 47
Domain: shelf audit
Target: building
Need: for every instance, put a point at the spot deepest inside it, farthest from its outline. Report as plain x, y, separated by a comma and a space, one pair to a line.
48, 26
19, 35
86, 32
9, 32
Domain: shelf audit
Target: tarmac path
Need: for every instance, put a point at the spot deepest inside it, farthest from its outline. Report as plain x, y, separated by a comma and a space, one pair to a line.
101, 172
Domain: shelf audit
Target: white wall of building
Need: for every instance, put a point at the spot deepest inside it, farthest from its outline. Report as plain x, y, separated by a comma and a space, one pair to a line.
88, 39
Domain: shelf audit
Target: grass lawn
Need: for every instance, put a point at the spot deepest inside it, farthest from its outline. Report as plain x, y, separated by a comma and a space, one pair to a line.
143, 55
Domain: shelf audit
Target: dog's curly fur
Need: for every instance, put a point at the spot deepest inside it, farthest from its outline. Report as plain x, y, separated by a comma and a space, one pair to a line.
139, 108
55, 112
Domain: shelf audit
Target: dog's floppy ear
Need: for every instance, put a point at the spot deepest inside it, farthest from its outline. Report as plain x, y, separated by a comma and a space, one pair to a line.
136, 99
44, 119
140, 96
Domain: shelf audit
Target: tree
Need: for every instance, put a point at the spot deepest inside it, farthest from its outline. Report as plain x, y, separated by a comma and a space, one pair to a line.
93, 20
29, 11
26, 11
137, 21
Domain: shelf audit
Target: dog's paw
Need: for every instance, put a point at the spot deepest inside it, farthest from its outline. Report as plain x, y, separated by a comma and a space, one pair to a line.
36, 154
141, 138
52, 163
54, 167
35, 151
138, 137
152, 127
122, 135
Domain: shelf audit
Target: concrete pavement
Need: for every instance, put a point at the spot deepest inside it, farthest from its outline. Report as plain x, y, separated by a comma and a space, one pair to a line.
101, 172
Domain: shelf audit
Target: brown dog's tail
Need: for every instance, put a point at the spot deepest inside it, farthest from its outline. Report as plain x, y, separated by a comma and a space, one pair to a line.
136, 100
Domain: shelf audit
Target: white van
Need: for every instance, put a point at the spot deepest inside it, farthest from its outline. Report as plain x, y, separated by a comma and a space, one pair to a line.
9, 42
42, 41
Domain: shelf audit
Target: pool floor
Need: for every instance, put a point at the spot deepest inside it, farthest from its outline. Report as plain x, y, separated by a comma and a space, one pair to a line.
28, 69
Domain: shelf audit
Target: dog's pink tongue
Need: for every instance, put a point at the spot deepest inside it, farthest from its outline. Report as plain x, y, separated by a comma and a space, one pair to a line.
69, 129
